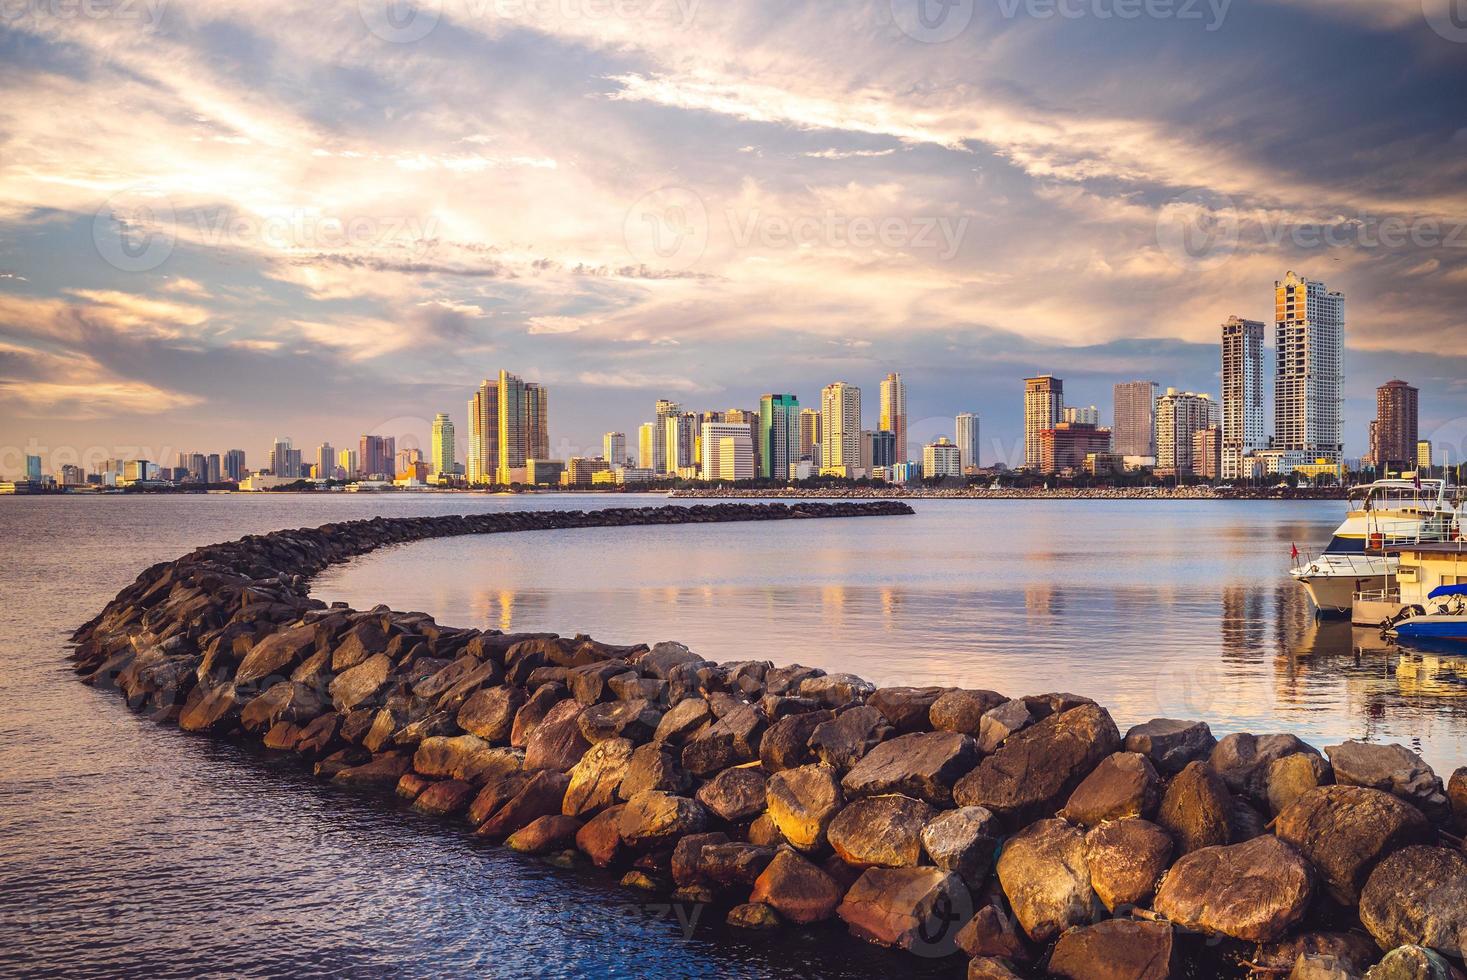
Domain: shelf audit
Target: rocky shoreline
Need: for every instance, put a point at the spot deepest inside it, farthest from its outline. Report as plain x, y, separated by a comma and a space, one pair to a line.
1025, 833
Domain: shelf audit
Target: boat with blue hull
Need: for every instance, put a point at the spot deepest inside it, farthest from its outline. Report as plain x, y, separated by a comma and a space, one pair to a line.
1442, 618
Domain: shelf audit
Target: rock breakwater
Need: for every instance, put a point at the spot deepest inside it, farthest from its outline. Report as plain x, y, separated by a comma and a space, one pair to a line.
1027, 833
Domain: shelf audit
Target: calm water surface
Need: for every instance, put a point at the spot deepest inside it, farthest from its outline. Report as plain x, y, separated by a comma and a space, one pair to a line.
135, 850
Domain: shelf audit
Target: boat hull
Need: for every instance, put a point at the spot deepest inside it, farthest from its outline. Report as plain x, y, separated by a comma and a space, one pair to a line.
1433, 627
1334, 595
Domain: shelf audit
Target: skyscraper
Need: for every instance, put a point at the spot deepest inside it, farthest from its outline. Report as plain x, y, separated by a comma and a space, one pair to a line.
894, 412
376, 455
1135, 418
234, 465
942, 458
347, 460
715, 437
215, 469
1044, 398
537, 421
647, 446
1394, 432
1082, 415
840, 429
679, 440
1242, 393
614, 448
325, 461
1179, 416
779, 435
810, 434
444, 451
746, 417
285, 460
523, 417
1309, 341
966, 437
482, 454
665, 409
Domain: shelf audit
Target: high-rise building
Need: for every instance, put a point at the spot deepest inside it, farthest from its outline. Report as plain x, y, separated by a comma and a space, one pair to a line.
537, 421
1309, 343
810, 434
280, 460
942, 458
514, 444
215, 469
444, 450
33, 468
1423, 454
742, 416
234, 465
647, 447
481, 456
1242, 393
779, 435
883, 449
967, 440
1393, 434
614, 448
347, 461
1087, 415
894, 412
666, 408
1066, 445
735, 457
521, 421
1044, 397
680, 441
1207, 453
840, 429
1179, 416
376, 457
325, 461
714, 435
1135, 418
72, 475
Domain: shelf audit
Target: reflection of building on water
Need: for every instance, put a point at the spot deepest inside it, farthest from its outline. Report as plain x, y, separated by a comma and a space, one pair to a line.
1044, 599
1431, 675
497, 608
1244, 622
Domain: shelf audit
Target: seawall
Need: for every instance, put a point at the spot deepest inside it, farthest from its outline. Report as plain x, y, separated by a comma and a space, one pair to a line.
1025, 833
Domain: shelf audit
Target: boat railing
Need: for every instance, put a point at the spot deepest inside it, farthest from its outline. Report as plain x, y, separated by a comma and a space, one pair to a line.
1378, 595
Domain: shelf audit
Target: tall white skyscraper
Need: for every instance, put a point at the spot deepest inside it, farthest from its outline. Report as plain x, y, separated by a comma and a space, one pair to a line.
443, 447
1242, 393
840, 429
614, 448
1179, 416
1044, 400
966, 436
779, 435
894, 413
1309, 342
714, 437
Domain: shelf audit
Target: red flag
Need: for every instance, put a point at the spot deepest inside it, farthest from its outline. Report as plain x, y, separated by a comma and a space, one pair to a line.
1293, 551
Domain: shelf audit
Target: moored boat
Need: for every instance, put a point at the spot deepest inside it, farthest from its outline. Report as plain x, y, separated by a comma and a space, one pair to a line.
1442, 617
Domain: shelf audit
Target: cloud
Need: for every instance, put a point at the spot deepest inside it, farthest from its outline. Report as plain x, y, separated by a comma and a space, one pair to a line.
554, 324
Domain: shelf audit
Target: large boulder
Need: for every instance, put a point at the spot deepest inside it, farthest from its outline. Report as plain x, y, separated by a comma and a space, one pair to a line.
465, 757
842, 742
687, 855
600, 837
1345, 830
632, 720
662, 658
444, 798
1418, 895
595, 779
1001, 721
990, 968
802, 802
991, 932
1123, 785
653, 766
730, 741
1243, 760
1392, 769
917, 909
880, 831
734, 794
655, 819
210, 709
962, 711
836, 690
276, 655
1457, 794
682, 720
1047, 881
533, 712
1255, 891
359, 643
906, 708
285, 701
1171, 743
1118, 949
557, 742
924, 765
734, 863
796, 889
553, 832
1413, 963
1035, 770
489, 713
1126, 859
361, 683
1291, 776
380, 774
1197, 809
786, 743
963, 841
541, 795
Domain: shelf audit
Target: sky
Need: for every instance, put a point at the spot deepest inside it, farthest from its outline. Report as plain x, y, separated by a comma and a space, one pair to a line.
221, 223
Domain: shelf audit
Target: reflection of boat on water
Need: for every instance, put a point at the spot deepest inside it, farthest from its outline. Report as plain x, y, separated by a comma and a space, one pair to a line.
1443, 617
1431, 674
1380, 516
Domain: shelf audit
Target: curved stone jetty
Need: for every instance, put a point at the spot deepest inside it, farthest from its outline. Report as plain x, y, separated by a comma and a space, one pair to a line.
1026, 832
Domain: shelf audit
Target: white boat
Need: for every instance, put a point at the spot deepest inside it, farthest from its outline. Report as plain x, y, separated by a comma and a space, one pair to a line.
1381, 515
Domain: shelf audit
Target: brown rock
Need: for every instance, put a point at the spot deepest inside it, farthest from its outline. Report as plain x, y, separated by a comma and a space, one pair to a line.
963, 841
1044, 875
880, 831
360, 642
786, 743
533, 712
276, 655
1197, 809
906, 708
655, 819
600, 838
1457, 794
212, 709
595, 779
796, 889
1035, 771
682, 720
733, 863
1345, 830
1171, 744
1391, 769
730, 741
284, 701
841, 743
1255, 891
734, 794
802, 802
553, 832
1001, 721
444, 798
1291, 776
990, 968
541, 795
494, 795
687, 856
411, 785
1126, 859
465, 757
836, 690
557, 742
359, 685
319, 736
1418, 895
1242, 760
1413, 963
653, 767
1117, 949
917, 909
763, 830
490, 713
382, 773
631, 720
283, 736
755, 916
1123, 785
992, 933
1357, 952
962, 711
924, 765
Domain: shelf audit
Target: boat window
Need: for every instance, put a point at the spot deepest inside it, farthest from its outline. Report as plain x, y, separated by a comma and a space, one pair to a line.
1345, 546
